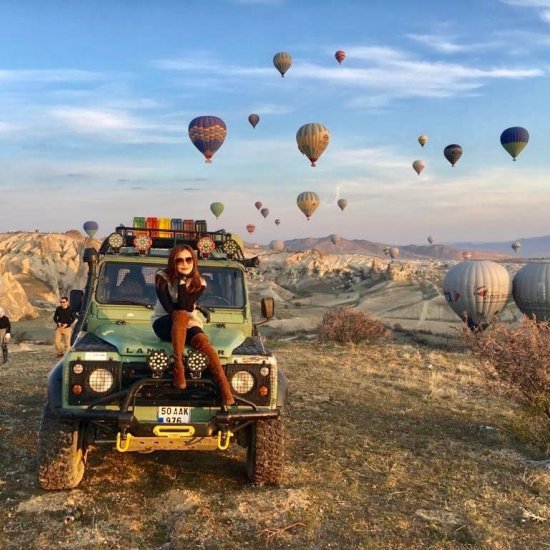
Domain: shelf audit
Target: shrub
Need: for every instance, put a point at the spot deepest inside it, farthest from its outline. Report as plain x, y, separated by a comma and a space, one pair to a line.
350, 326
519, 357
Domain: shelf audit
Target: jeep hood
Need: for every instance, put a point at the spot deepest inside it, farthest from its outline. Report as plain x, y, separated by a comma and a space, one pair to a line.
138, 339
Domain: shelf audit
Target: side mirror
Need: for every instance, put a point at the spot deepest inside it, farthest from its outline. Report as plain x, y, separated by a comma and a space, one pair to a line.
76, 299
268, 308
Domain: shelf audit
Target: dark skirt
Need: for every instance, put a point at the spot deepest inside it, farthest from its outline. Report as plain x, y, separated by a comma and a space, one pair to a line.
163, 329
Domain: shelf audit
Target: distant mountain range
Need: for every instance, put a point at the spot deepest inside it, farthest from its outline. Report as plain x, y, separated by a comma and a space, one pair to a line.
533, 247
360, 246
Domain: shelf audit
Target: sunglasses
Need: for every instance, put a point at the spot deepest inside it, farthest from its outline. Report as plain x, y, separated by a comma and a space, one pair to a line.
187, 259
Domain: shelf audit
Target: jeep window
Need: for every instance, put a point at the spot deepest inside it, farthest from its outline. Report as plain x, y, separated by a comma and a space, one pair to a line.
130, 283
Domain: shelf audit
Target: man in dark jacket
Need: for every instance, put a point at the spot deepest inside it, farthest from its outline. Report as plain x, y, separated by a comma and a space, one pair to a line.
63, 318
5, 334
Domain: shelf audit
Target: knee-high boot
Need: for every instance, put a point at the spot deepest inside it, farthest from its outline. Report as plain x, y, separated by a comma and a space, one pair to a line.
180, 319
201, 343
4, 353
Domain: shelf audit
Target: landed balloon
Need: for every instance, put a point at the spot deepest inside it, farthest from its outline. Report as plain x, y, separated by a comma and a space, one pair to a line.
422, 140
90, 228
277, 222
340, 55
342, 203
514, 140
312, 139
258, 205
336, 239
278, 246
216, 208
431, 240
282, 62
207, 134
308, 202
477, 291
251, 228
466, 254
253, 119
418, 166
265, 212
531, 290
452, 153
515, 246
393, 252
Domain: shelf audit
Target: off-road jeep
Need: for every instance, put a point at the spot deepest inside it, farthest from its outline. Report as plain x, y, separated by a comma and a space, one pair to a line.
114, 385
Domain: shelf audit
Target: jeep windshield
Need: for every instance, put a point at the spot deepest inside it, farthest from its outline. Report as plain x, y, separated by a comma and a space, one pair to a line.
132, 283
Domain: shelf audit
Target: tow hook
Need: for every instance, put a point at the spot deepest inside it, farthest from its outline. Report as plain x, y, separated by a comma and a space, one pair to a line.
224, 439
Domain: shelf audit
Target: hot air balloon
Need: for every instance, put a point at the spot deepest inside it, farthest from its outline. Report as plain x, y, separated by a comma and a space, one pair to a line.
253, 119
312, 139
207, 134
477, 290
282, 62
514, 140
251, 228
431, 240
452, 153
418, 166
277, 222
386, 250
516, 246
336, 239
422, 140
342, 203
393, 252
90, 228
307, 202
340, 55
258, 205
278, 246
216, 208
531, 290
265, 212
466, 254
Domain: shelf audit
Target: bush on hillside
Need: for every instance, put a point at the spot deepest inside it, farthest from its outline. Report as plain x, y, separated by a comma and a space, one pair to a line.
350, 326
519, 357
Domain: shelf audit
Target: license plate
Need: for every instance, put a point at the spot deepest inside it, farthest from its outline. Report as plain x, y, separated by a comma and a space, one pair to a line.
173, 415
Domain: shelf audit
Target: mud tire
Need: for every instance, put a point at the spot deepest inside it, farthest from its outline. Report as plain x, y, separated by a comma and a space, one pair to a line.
61, 455
266, 452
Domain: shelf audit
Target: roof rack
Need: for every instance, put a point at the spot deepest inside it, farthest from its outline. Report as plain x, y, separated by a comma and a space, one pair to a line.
224, 244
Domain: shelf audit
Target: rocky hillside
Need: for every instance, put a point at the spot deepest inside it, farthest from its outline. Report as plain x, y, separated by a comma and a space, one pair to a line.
37, 268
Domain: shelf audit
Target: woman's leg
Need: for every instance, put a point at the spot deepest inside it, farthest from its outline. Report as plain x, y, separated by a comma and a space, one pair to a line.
201, 343
180, 319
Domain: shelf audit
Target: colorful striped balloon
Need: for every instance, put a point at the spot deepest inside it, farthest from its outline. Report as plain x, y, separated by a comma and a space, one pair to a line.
312, 140
207, 134
340, 55
514, 140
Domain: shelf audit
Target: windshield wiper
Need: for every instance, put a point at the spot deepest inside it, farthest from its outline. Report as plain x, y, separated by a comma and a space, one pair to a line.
129, 303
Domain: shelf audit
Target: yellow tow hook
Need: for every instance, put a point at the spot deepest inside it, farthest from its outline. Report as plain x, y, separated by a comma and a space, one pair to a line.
174, 431
227, 435
122, 445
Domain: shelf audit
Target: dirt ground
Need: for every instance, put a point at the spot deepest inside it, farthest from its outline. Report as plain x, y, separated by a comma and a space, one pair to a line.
389, 446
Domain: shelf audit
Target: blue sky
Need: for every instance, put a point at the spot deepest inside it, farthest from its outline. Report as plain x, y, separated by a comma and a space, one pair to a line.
96, 98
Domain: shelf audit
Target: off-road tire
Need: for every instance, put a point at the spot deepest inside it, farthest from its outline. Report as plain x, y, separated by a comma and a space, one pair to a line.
61, 456
266, 452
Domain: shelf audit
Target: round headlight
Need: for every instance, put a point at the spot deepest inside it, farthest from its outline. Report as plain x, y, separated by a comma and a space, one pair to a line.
116, 241
242, 382
101, 380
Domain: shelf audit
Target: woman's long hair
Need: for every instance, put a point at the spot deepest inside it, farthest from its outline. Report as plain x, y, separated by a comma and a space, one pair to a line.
172, 273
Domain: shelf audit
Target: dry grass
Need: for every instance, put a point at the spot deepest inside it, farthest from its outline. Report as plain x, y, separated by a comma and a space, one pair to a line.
390, 446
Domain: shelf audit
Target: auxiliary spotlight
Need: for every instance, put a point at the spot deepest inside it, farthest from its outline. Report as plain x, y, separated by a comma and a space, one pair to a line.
157, 361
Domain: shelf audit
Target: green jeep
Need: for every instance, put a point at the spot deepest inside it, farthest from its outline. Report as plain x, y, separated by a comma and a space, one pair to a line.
114, 385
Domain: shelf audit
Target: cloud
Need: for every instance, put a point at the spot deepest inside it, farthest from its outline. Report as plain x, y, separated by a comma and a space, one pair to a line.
49, 76
543, 7
444, 45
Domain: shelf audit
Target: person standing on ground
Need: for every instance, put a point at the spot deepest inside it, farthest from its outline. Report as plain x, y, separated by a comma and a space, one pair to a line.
5, 334
63, 318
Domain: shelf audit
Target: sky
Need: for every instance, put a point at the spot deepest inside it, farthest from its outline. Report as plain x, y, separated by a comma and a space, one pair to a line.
96, 99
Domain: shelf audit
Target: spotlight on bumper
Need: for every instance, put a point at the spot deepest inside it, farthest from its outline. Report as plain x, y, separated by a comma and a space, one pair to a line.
157, 361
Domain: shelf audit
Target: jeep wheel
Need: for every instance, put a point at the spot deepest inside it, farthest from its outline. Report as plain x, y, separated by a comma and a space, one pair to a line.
61, 455
266, 452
